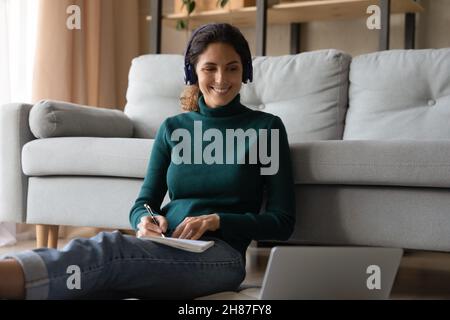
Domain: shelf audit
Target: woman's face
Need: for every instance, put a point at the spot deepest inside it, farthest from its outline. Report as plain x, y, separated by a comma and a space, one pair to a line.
219, 72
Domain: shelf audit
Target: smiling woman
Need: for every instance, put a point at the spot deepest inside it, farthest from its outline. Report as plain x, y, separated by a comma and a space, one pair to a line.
210, 201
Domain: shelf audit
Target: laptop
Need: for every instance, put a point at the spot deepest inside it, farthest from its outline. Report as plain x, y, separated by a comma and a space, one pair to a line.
332, 273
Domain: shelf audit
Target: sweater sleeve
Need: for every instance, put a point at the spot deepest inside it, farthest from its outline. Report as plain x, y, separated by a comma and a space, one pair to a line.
154, 186
278, 220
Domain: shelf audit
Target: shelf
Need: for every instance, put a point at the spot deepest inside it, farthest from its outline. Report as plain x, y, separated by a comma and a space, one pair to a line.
296, 12
306, 11
244, 17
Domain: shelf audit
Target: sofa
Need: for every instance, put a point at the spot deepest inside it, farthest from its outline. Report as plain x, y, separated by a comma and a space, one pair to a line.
369, 137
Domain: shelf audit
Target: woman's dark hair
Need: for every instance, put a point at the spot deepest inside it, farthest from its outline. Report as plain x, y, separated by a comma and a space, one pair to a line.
214, 33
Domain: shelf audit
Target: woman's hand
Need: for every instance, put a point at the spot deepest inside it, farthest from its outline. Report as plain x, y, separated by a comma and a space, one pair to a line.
194, 227
148, 228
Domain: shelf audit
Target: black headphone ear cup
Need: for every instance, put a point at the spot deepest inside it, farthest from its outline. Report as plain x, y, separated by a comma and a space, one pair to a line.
192, 74
189, 74
248, 72
190, 77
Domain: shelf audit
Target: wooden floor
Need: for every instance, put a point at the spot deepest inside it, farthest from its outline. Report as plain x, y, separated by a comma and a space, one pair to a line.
422, 274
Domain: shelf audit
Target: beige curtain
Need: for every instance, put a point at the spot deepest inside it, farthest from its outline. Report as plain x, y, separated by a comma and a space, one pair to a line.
88, 66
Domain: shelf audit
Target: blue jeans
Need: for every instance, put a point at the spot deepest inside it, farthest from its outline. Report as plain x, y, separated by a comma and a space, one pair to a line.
115, 266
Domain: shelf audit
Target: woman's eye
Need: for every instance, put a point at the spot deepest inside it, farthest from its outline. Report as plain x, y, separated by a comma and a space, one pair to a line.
212, 69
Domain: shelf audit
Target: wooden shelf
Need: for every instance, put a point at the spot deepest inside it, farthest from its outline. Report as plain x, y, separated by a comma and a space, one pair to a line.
296, 12
244, 17
306, 11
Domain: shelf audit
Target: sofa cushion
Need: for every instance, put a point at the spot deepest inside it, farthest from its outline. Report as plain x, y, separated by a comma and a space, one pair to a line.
386, 163
399, 94
117, 157
61, 119
308, 91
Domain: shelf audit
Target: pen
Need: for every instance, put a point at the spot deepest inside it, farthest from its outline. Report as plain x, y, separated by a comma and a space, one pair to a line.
150, 211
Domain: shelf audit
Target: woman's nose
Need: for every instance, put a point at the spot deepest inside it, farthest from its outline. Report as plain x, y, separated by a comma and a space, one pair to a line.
220, 75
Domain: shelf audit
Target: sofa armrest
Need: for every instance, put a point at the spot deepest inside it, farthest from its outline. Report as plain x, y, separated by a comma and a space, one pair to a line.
14, 133
49, 118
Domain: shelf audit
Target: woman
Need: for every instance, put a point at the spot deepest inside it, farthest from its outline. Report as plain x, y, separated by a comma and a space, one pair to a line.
215, 190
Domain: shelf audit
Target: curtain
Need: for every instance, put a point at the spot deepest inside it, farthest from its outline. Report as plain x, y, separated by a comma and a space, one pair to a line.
89, 65
41, 58
17, 42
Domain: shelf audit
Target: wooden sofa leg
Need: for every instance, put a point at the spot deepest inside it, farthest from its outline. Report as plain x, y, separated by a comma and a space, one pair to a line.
46, 236
53, 237
42, 235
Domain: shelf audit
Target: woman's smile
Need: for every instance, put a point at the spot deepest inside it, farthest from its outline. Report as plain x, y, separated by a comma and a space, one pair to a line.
221, 90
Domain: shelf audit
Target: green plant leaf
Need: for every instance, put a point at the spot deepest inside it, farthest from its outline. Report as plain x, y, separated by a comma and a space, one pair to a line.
222, 3
181, 24
191, 7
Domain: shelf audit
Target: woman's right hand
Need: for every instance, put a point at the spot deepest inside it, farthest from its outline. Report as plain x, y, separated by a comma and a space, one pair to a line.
148, 228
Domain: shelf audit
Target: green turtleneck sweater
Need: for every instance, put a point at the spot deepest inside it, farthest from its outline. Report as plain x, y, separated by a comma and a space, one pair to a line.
221, 184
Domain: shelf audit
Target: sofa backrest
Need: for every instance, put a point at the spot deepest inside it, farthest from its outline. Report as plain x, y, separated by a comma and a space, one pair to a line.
399, 94
307, 91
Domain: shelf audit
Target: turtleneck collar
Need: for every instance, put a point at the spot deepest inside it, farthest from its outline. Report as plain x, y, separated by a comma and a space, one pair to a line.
233, 108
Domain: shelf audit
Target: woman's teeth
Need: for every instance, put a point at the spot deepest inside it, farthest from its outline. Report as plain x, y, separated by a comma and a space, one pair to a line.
221, 91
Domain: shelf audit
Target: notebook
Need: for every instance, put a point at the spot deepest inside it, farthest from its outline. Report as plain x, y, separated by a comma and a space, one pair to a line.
183, 244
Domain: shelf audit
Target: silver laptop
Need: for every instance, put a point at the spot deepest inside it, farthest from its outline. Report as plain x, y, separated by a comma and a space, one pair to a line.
319, 273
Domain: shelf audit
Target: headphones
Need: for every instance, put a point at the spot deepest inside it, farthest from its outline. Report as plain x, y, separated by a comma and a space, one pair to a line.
190, 77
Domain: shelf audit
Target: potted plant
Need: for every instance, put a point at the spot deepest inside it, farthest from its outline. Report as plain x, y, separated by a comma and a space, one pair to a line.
190, 6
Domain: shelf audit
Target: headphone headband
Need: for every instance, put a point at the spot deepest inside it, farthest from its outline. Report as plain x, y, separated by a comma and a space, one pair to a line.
190, 76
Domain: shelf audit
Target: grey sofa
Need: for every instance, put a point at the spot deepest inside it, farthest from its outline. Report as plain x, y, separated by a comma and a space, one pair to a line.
370, 142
